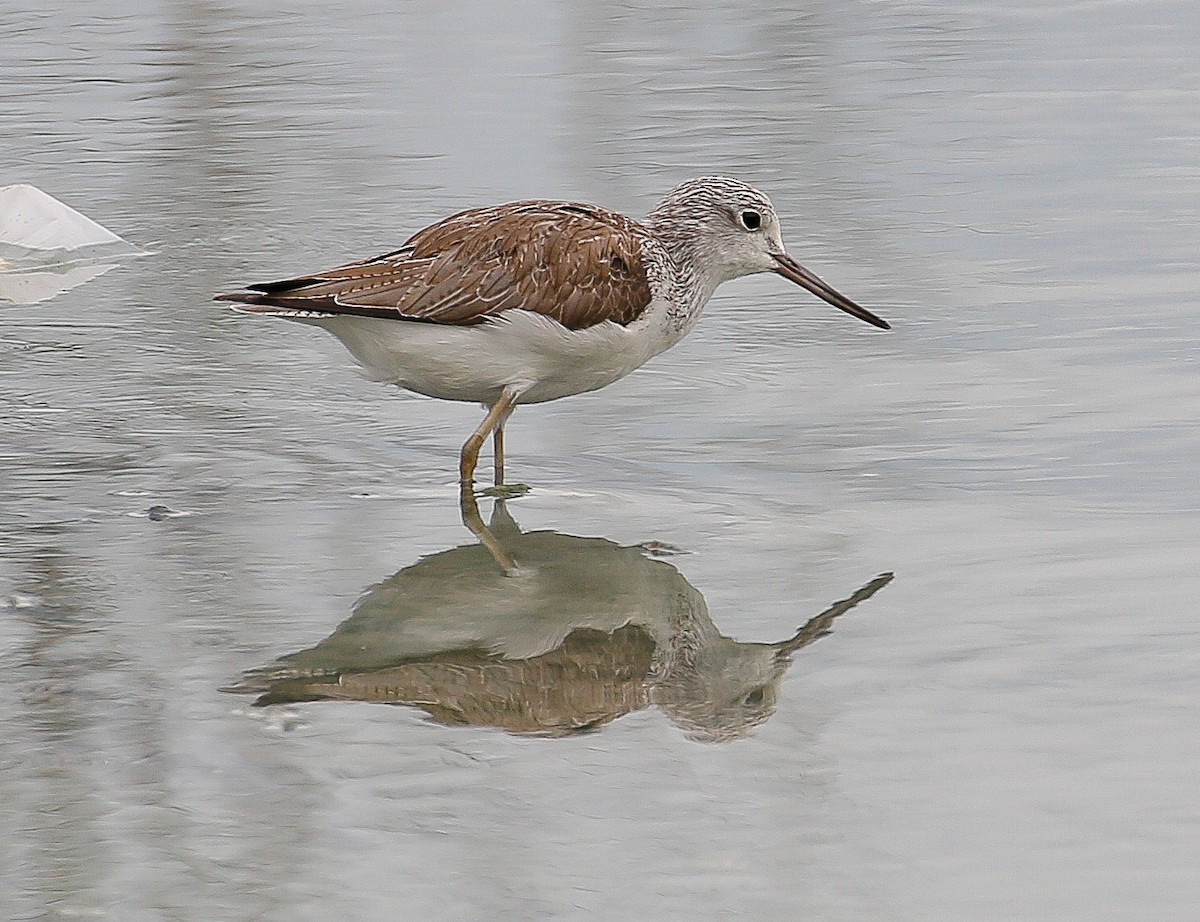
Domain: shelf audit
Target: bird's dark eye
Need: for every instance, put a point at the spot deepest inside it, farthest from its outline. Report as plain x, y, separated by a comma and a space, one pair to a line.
751, 220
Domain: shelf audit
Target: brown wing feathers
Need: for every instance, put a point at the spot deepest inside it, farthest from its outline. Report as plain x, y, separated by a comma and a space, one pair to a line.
577, 264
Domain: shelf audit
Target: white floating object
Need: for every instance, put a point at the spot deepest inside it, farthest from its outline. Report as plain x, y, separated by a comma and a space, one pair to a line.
47, 247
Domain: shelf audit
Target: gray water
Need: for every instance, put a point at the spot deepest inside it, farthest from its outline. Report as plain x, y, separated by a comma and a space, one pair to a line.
1006, 730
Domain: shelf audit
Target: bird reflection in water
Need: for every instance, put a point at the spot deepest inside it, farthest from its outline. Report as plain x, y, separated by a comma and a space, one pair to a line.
564, 636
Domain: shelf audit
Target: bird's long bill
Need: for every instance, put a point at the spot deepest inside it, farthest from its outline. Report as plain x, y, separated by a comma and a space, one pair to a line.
790, 269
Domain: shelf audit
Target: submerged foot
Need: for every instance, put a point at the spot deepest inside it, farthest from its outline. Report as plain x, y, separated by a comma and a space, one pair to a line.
505, 490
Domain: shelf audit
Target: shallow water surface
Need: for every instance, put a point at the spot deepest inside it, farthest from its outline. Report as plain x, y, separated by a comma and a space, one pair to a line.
254, 666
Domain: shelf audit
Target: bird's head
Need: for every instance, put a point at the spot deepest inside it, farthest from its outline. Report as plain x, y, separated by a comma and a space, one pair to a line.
727, 229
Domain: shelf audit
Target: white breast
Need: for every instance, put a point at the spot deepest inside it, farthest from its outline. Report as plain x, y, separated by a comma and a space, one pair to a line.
519, 349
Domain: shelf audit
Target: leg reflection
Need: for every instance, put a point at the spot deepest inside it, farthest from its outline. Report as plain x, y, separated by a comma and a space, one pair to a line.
474, 522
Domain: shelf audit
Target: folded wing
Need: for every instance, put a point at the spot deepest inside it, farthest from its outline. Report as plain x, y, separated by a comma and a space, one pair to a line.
577, 264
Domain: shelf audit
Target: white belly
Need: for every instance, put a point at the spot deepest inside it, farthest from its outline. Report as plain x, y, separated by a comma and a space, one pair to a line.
528, 351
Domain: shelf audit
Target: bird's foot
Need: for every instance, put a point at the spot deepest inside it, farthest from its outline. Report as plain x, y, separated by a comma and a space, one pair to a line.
661, 549
505, 490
